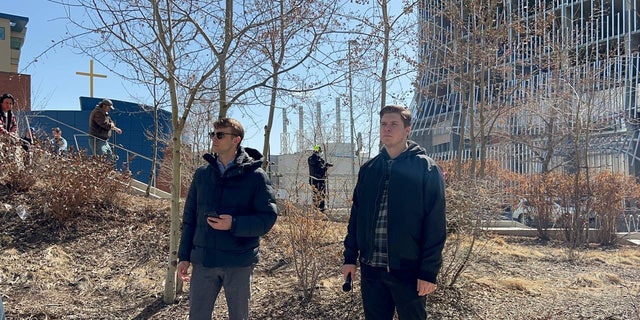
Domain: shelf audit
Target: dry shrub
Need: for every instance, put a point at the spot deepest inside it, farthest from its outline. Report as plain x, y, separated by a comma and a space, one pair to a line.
21, 180
307, 233
16, 174
63, 186
469, 202
580, 203
78, 184
609, 202
540, 191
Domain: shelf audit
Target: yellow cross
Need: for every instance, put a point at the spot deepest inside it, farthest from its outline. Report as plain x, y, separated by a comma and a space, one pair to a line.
91, 76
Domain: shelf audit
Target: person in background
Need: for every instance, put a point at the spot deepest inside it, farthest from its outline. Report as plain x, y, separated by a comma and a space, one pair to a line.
29, 139
8, 121
100, 127
230, 205
58, 143
397, 226
318, 177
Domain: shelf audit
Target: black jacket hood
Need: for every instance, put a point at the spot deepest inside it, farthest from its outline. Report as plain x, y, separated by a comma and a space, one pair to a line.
247, 159
412, 149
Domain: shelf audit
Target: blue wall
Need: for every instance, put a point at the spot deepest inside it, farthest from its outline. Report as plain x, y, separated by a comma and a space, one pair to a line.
135, 120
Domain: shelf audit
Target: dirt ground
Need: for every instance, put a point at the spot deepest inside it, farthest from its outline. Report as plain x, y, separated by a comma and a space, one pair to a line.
111, 265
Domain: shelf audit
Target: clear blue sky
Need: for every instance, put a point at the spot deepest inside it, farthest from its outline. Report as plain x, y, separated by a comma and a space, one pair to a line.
54, 83
56, 86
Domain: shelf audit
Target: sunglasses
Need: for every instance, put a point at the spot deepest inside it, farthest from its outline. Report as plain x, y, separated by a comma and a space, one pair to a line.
219, 135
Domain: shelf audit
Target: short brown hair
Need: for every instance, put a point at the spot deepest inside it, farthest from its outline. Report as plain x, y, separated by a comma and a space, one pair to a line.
403, 111
235, 125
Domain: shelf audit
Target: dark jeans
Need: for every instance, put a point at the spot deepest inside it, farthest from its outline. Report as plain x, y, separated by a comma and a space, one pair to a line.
319, 192
384, 292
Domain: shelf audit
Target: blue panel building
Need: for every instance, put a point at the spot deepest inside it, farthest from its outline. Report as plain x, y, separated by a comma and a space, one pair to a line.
134, 146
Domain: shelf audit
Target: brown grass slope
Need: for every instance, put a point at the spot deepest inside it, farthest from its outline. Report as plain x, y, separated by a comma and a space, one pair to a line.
107, 260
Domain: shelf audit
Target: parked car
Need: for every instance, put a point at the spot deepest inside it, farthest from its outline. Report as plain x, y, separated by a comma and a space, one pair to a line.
525, 213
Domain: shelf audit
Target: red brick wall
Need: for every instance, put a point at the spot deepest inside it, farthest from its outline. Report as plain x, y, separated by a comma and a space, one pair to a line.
19, 85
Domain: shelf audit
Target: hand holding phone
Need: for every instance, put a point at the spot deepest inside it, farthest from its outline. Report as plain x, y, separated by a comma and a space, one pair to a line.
213, 214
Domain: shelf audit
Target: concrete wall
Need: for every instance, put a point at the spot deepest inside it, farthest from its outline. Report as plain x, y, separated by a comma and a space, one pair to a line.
290, 176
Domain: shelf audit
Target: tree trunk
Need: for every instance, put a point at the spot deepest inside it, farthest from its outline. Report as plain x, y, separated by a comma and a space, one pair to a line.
174, 233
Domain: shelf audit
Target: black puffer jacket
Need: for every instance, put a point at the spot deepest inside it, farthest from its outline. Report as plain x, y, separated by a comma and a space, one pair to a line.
317, 166
416, 217
245, 192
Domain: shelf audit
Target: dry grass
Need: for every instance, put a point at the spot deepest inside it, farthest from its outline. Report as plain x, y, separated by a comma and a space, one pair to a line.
114, 267
623, 256
498, 245
518, 284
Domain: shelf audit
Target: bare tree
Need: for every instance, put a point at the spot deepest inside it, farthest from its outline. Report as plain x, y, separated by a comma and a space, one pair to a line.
284, 44
185, 43
465, 66
380, 58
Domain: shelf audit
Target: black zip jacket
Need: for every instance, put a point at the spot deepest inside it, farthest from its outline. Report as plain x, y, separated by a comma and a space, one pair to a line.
243, 191
416, 213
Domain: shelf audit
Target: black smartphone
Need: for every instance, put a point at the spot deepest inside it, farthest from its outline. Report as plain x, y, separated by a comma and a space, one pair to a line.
213, 214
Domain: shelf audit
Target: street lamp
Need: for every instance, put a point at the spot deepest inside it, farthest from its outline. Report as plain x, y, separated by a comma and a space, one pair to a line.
353, 156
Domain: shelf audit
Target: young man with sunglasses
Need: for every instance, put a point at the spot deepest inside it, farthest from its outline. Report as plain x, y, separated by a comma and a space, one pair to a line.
230, 205
397, 224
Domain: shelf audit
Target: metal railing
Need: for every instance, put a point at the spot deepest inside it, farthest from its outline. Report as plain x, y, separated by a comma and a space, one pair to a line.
78, 133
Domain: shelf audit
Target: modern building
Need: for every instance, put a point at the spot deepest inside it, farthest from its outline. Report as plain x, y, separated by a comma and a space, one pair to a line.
530, 83
13, 31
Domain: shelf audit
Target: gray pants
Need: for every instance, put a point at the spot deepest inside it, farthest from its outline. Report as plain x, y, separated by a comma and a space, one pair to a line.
206, 283
2, 317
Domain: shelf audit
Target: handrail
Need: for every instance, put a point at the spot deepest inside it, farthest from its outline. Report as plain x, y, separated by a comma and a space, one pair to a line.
115, 146
86, 134
56, 121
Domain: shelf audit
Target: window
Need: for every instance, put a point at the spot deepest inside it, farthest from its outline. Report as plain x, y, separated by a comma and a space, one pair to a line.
16, 43
1, 33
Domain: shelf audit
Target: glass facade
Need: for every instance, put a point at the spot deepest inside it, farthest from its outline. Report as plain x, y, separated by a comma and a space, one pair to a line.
527, 80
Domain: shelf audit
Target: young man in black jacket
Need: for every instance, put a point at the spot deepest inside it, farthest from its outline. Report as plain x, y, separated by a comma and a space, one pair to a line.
397, 227
230, 205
